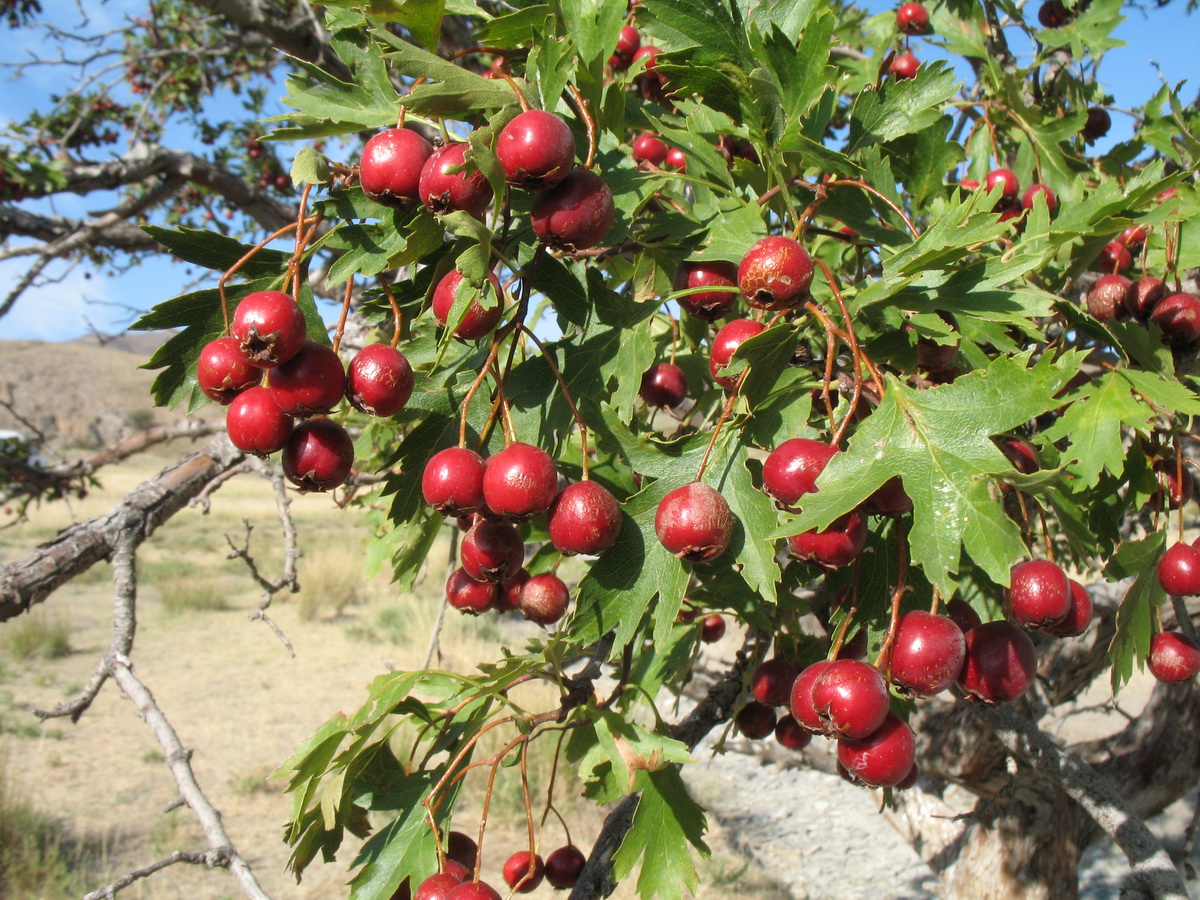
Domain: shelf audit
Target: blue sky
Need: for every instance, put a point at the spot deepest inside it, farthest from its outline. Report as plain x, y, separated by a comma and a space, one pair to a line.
86, 298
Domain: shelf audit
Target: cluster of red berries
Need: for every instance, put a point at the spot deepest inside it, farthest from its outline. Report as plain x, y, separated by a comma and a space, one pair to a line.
1012, 203
489, 497
523, 873
1175, 657
305, 380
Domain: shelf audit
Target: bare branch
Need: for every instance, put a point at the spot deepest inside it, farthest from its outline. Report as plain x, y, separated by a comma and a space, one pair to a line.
209, 858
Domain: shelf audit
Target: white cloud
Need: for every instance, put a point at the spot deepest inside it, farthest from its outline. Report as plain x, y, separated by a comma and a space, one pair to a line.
60, 310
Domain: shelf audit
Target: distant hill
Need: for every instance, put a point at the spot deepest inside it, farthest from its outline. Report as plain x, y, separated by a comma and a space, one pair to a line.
81, 394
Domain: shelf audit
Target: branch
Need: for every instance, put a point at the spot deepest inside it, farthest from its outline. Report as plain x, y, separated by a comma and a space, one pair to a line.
300, 36
210, 858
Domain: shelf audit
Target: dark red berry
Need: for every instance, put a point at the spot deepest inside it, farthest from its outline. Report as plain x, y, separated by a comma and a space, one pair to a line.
255, 422
1143, 295
1097, 125
311, 383
536, 149
801, 703
928, 653
1106, 299
1114, 257
461, 848
791, 734
1076, 621
467, 595
905, 66
791, 469
473, 890
390, 170
492, 551
851, 698
1134, 236
520, 481
452, 482
882, 759
223, 373
1174, 657
963, 615
564, 865
719, 280
835, 547
1006, 180
436, 887
269, 328
663, 384
1033, 191
318, 455
694, 522
576, 214
444, 191
628, 43
584, 518
728, 339
1178, 315
379, 380
772, 682
544, 599
755, 720
1179, 570
1053, 14
890, 499
1039, 594
775, 274
1001, 662
650, 148
912, 18
524, 873
712, 629
483, 312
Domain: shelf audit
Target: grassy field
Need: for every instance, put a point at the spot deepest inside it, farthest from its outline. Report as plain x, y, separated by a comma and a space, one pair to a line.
87, 800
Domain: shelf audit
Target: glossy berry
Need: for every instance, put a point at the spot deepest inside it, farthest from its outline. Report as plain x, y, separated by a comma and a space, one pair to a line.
544, 599
650, 148
483, 312
223, 373
791, 469
851, 698
269, 328
969, 184
1106, 299
694, 522
584, 518
720, 279
890, 499
628, 43
1097, 125
311, 383
904, 66
379, 380
1036, 189
1178, 315
1006, 180
1078, 618
1174, 657
473, 890
772, 682
755, 720
1134, 236
1039, 593
509, 597
801, 701
676, 159
461, 848
469, 596
437, 886
912, 18
1053, 14
1179, 570
1176, 492
652, 85
492, 551
962, 614
775, 274
835, 547
791, 734
882, 759
452, 482
1114, 257
444, 191
728, 339
536, 149
1143, 295
1021, 454
318, 455
928, 653
390, 169
564, 865
255, 422
522, 873
520, 481
663, 384
712, 629
1001, 662
576, 214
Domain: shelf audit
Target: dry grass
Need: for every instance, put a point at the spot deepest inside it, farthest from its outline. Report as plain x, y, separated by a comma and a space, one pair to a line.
42, 634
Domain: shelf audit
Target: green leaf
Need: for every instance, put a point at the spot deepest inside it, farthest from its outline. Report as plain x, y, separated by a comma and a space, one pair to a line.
309, 167
1135, 616
754, 515
404, 847
218, 252
666, 821
901, 107
325, 98
448, 90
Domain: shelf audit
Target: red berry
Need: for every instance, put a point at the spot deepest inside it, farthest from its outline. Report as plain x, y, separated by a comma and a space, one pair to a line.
255, 422
719, 276
1021, 454
628, 42
1001, 662
311, 383
928, 653
436, 887
1143, 295
544, 599
520, 481
509, 598
969, 184
223, 373
791, 734
1178, 315
318, 455
1097, 125
473, 890
467, 595
461, 848
905, 66
1032, 192
482, 314
882, 759
912, 18
1039, 594
1106, 299
775, 274
962, 614
492, 551
890, 499
1179, 570
269, 328
452, 482
712, 629
728, 339
564, 865
663, 384
1053, 14
835, 547
379, 380
1080, 615
390, 170
755, 720
444, 191
584, 518
523, 874
650, 148
1134, 236
1114, 257
1174, 657
536, 149
576, 214
694, 522
851, 698
676, 159
1006, 180
772, 682
803, 710
791, 469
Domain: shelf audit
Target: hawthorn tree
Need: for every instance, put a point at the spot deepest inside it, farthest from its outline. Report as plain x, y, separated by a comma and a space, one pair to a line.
766, 311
